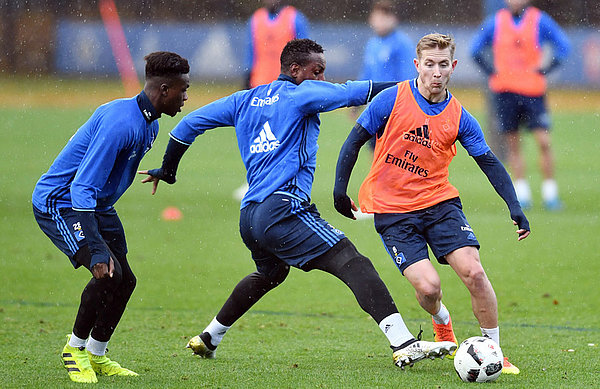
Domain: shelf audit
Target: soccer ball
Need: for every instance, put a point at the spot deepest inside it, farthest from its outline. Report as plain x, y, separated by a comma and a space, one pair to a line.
478, 359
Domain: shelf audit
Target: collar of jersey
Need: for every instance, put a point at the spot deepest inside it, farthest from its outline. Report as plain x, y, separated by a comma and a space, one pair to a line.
419, 96
517, 16
146, 107
285, 77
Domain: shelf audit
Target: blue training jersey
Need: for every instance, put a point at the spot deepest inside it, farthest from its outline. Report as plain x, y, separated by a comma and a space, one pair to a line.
277, 126
375, 117
101, 160
389, 58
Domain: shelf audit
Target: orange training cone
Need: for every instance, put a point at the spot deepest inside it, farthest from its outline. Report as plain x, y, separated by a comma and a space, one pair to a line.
171, 214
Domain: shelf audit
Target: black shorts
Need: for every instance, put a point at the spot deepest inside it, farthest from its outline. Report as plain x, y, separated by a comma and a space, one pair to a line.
443, 227
286, 229
64, 230
513, 109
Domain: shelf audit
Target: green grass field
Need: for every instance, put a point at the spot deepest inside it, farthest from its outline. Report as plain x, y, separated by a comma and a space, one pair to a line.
309, 332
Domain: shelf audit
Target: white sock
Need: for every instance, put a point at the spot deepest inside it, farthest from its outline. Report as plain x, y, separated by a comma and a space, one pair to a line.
96, 347
523, 190
549, 190
395, 330
76, 342
443, 316
492, 333
217, 331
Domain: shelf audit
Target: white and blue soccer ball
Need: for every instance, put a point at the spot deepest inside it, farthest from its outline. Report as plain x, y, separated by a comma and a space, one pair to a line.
478, 359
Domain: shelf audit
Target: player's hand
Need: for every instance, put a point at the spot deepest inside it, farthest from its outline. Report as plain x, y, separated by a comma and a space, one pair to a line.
344, 205
519, 220
161, 174
150, 178
154, 176
103, 270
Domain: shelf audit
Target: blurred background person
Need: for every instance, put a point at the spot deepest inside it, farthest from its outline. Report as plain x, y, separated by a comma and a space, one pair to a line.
269, 29
389, 54
493, 135
517, 79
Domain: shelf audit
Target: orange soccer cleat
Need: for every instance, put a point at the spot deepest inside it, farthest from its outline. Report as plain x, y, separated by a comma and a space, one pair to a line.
444, 333
509, 368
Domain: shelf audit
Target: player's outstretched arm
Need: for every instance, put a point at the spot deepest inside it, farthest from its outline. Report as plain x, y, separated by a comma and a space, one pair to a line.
500, 180
168, 171
346, 161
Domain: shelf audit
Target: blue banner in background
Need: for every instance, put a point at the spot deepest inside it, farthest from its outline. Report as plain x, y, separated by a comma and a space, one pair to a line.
216, 51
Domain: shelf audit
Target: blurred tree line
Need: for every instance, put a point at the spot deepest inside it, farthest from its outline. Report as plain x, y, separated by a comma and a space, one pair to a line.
26, 26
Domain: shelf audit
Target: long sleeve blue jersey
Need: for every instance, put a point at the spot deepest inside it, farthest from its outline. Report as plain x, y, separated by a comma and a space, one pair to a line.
100, 161
277, 126
389, 58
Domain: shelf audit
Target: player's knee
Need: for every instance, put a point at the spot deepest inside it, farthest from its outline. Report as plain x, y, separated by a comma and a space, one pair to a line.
357, 261
128, 284
368, 288
362, 265
345, 262
429, 291
100, 287
545, 147
279, 274
479, 277
274, 275
476, 278
359, 270
113, 282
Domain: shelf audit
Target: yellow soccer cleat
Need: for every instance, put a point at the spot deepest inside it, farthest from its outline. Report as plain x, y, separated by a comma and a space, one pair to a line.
444, 333
509, 368
200, 348
103, 365
77, 363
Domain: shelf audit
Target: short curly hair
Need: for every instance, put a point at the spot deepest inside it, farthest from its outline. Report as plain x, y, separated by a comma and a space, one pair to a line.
298, 51
165, 64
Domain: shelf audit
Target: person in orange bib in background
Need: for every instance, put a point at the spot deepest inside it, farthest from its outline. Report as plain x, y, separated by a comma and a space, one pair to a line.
269, 29
517, 79
417, 123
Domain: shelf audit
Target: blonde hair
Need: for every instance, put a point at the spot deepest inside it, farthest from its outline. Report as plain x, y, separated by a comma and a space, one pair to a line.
436, 40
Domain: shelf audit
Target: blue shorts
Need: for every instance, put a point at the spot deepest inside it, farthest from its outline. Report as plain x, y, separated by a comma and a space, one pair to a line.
64, 230
513, 109
443, 227
284, 228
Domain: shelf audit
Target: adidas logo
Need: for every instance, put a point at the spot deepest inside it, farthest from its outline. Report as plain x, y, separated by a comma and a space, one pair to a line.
419, 135
265, 141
